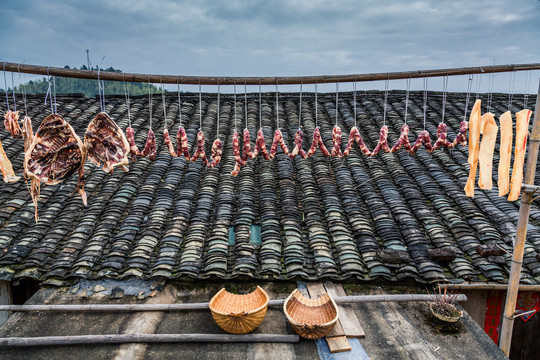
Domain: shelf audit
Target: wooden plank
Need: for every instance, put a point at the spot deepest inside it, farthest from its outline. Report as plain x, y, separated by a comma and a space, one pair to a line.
316, 290
347, 317
338, 344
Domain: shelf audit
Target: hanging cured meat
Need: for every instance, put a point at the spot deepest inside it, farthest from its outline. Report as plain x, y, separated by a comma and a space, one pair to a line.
248, 154
106, 145
168, 143
382, 144
487, 146
442, 137
474, 140
461, 137
260, 145
278, 141
423, 139
354, 136
28, 137
182, 145
55, 154
336, 140
217, 151
505, 153
237, 156
297, 150
522, 127
6, 168
11, 122
150, 146
133, 150
200, 152
403, 140
318, 143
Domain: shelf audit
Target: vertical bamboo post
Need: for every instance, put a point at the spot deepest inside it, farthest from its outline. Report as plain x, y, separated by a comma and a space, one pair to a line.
519, 247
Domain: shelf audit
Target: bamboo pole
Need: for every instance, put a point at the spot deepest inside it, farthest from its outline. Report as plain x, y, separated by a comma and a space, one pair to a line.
519, 246
144, 338
230, 80
490, 286
204, 306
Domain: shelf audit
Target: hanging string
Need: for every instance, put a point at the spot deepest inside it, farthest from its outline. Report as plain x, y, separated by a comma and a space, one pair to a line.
386, 84
179, 101
23, 89
13, 88
425, 100
150, 101
245, 105
218, 107
528, 79
164, 105
490, 90
478, 83
126, 93
511, 94
235, 125
354, 100
445, 92
200, 106
316, 107
407, 97
53, 96
260, 107
300, 107
337, 99
277, 106
99, 89
6, 87
469, 87
48, 90
103, 90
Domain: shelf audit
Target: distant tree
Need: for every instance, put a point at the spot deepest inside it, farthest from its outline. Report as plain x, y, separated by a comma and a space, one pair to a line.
85, 86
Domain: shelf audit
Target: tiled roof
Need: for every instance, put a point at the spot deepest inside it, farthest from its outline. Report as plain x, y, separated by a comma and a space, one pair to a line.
351, 218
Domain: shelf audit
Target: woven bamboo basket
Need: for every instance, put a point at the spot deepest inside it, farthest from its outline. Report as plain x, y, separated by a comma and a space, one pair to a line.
239, 314
311, 318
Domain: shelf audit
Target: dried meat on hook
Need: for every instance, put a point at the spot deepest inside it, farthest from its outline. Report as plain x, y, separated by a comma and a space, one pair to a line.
260, 145
354, 136
200, 152
11, 122
133, 149
182, 144
5, 166
423, 139
382, 144
168, 143
150, 146
297, 150
403, 140
461, 137
217, 151
248, 154
105, 143
278, 141
55, 153
442, 137
317, 143
336, 140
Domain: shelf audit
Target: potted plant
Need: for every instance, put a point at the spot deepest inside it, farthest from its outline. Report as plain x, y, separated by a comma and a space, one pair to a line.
443, 305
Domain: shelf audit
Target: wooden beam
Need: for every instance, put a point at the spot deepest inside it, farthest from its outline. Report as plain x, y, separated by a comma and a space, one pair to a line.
347, 318
204, 306
144, 338
519, 246
283, 80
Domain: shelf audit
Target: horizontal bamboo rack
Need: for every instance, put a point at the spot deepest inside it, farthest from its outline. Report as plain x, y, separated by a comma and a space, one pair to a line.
144, 338
204, 306
284, 80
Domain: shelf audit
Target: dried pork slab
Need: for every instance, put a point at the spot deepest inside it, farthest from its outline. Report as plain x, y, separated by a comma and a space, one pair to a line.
505, 153
11, 122
474, 148
6, 168
522, 127
485, 157
106, 144
55, 154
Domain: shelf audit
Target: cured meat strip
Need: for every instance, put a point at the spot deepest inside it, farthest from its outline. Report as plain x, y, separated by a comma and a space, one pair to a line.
150, 146
182, 145
354, 136
168, 143
423, 139
505, 153
5, 166
248, 154
336, 140
217, 151
487, 146
278, 140
522, 127
200, 152
55, 153
403, 140
11, 122
382, 144
106, 145
474, 139
442, 137
260, 145
461, 137
28, 137
297, 150
133, 150
317, 143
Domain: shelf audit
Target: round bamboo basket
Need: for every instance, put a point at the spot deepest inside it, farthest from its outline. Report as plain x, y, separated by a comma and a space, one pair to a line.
239, 314
450, 319
311, 318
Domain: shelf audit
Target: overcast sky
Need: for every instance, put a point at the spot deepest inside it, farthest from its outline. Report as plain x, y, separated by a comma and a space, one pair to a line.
267, 38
